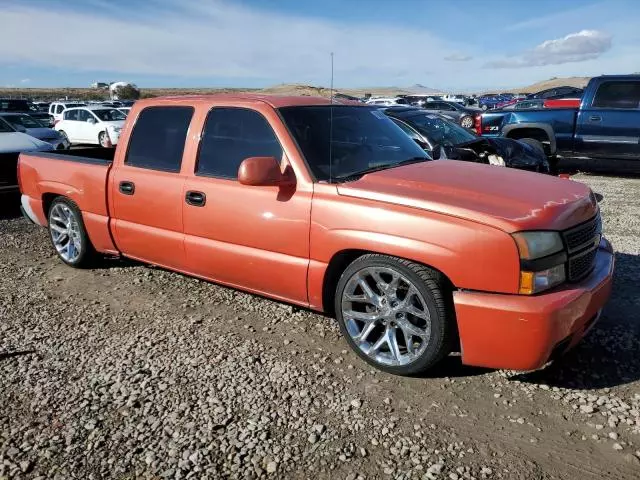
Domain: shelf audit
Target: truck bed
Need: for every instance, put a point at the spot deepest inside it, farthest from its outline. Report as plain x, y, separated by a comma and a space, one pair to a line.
81, 175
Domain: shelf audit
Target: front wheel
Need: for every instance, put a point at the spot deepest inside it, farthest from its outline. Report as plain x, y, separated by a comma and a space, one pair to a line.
68, 234
104, 141
394, 313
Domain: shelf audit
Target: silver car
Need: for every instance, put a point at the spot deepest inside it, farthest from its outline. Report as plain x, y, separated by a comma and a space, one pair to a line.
24, 123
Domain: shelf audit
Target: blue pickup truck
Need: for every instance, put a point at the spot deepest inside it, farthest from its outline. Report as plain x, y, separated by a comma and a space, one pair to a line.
606, 125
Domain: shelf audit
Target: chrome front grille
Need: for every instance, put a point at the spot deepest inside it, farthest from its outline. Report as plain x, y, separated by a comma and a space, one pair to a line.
582, 243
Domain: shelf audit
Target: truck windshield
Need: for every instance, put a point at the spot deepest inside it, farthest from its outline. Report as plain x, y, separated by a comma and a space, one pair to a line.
361, 139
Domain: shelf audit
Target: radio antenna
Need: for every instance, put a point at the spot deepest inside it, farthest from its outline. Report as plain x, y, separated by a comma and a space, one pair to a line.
331, 125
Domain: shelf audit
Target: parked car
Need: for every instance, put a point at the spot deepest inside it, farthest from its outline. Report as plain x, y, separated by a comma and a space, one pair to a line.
460, 114
605, 125
489, 101
412, 256
455, 99
558, 92
92, 125
11, 144
10, 105
56, 109
524, 105
444, 139
387, 101
24, 123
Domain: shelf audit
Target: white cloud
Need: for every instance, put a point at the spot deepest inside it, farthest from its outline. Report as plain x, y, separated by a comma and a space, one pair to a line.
216, 39
458, 57
575, 47
25, 80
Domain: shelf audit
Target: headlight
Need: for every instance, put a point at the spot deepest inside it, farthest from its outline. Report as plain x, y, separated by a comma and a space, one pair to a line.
542, 259
532, 245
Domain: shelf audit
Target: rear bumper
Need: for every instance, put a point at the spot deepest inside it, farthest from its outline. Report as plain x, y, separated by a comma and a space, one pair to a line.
519, 332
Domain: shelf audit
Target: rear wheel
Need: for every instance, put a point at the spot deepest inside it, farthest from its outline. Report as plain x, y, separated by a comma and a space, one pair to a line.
68, 234
466, 121
537, 144
394, 313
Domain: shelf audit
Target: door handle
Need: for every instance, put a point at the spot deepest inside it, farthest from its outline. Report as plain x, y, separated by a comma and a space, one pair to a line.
595, 118
127, 188
196, 199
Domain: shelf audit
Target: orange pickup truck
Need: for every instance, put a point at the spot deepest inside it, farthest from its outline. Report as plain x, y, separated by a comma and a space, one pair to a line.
332, 207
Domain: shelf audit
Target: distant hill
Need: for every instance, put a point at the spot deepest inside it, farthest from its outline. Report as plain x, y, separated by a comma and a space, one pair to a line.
579, 82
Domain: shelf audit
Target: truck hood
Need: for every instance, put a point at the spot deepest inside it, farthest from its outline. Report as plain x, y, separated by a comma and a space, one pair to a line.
14, 142
504, 198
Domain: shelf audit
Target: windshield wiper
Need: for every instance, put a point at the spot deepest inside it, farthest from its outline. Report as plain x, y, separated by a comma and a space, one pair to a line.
356, 175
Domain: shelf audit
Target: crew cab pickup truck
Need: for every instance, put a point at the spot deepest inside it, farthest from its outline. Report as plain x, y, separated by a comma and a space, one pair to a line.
334, 208
605, 125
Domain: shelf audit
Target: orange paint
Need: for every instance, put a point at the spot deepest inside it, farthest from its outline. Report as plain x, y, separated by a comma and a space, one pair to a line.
278, 239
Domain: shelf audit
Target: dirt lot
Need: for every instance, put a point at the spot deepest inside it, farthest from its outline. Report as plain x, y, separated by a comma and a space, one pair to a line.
133, 372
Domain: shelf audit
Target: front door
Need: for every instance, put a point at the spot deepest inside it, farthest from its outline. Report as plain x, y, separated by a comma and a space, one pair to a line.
255, 238
610, 126
147, 190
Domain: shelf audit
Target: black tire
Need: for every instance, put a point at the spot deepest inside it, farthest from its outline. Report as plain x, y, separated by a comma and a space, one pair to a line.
466, 122
87, 254
102, 136
532, 142
432, 285
64, 134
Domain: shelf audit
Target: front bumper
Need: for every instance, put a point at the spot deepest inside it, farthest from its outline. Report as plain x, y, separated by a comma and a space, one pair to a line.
518, 332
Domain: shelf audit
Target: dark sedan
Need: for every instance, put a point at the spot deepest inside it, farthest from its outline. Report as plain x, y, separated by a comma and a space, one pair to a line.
454, 111
444, 139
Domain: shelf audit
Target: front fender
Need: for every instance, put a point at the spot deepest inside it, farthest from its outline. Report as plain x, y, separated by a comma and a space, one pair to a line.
472, 256
548, 129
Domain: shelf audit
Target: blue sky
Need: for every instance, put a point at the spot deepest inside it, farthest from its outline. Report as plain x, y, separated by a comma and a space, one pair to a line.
446, 44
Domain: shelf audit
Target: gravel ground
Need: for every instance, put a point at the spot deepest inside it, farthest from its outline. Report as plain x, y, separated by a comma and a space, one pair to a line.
133, 372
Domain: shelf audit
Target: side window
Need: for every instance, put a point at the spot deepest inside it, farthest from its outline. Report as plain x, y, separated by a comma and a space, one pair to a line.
83, 115
71, 114
158, 138
618, 95
231, 135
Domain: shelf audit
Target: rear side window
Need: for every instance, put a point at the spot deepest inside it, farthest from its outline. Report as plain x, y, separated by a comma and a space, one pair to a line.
158, 138
230, 136
71, 114
618, 95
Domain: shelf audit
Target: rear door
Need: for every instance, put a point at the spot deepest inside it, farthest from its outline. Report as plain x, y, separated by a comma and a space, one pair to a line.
147, 188
610, 126
253, 237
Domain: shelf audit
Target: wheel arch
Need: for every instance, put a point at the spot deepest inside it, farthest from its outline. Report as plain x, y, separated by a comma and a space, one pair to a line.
343, 258
538, 131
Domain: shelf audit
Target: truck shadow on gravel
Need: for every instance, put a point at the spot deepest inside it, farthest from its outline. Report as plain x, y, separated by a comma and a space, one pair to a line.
609, 355
10, 207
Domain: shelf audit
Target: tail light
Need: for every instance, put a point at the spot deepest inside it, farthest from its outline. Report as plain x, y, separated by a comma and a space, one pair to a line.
477, 124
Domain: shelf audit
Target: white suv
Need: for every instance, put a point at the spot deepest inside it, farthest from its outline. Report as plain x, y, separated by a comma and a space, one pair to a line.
56, 109
92, 125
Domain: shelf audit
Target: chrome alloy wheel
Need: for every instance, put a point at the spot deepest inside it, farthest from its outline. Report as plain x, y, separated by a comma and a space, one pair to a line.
65, 232
467, 122
386, 316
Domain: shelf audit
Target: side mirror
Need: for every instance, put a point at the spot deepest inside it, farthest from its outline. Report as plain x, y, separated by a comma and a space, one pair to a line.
436, 152
423, 145
91, 120
263, 172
